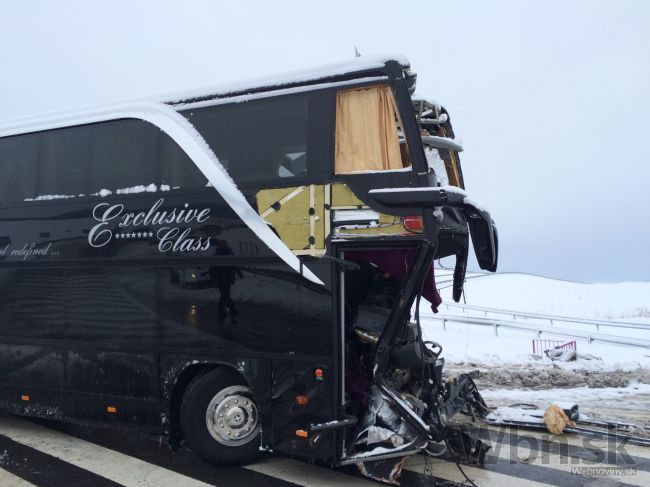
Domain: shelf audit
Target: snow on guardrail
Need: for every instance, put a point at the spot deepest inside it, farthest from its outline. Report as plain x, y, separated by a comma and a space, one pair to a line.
551, 318
539, 329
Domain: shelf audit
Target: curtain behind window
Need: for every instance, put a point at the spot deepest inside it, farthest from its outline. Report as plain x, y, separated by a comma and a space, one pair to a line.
366, 130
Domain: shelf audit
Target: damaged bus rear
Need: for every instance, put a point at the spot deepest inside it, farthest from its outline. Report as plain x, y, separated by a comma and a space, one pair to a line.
269, 244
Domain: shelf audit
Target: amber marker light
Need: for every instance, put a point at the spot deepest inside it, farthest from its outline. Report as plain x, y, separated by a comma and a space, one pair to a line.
111, 409
302, 433
302, 400
24, 397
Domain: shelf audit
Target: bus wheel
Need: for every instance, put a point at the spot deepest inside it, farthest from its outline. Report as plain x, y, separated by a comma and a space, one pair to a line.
220, 419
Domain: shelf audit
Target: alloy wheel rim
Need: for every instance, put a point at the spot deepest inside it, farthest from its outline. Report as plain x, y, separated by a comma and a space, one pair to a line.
232, 417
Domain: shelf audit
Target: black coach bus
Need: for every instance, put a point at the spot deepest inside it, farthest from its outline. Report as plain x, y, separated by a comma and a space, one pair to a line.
237, 268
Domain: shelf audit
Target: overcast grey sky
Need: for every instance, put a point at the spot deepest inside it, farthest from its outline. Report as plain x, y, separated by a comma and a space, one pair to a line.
551, 99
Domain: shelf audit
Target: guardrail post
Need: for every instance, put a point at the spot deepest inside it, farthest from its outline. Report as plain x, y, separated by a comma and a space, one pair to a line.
496, 331
551, 322
597, 327
444, 324
539, 333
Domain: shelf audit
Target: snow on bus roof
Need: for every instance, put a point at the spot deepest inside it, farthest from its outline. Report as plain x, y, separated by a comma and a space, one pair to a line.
360, 64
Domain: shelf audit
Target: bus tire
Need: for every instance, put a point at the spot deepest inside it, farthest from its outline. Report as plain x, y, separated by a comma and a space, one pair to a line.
220, 419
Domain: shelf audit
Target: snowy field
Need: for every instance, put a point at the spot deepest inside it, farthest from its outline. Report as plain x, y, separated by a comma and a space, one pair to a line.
629, 301
606, 380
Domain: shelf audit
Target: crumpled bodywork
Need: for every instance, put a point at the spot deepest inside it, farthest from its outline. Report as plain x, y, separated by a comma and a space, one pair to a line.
386, 440
394, 379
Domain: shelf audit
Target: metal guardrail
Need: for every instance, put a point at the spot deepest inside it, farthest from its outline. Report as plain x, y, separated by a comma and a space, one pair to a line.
551, 318
540, 345
539, 329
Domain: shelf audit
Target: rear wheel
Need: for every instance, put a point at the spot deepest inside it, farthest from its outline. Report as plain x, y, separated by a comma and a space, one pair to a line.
220, 419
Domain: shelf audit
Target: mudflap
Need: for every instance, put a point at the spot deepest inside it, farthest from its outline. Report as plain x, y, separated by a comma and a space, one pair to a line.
388, 470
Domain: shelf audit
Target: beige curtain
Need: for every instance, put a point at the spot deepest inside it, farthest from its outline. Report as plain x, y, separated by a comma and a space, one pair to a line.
366, 130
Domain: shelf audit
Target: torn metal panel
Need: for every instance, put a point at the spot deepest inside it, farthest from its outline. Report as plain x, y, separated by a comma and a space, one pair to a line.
387, 471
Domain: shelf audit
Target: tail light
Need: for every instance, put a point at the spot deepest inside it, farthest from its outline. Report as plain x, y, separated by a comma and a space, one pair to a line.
413, 224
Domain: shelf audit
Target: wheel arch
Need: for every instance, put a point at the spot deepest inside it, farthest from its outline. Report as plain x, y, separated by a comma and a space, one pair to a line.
184, 376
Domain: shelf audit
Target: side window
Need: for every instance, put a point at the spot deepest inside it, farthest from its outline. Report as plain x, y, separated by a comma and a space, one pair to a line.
368, 131
99, 159
129, 158
260, 140
116, 157
177, 169
64, 167
18, 163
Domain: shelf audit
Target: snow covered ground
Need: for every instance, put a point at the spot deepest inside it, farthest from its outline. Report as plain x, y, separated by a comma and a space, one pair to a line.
608, 381
527, 292
629, 301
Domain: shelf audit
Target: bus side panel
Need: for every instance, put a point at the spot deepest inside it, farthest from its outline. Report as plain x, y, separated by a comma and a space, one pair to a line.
244, 317
32, 380
302, 395
243, 310
112, 387
31, 341
112, 336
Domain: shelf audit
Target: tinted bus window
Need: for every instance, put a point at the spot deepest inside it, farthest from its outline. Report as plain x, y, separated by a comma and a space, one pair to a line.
18, 162
65, 161
260, 140
84, 160
130, 158
177, 169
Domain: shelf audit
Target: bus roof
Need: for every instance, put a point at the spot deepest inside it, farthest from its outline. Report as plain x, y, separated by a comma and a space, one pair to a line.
354, 68
363, 66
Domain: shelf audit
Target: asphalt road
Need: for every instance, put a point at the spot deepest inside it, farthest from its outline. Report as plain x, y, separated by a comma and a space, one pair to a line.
52, 454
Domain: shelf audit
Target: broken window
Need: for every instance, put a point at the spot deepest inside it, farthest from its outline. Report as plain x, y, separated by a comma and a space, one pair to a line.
367, 131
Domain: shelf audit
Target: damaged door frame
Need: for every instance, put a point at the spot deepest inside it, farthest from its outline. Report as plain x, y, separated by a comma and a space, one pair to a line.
424, 254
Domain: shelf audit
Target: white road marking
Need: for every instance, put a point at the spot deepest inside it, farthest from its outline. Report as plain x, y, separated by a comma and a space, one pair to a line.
524, 455
8, 479
485, 478
302, 473
109, 464
579, 441
132, 472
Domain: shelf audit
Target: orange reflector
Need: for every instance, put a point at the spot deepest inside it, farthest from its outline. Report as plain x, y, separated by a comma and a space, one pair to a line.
413, 224
302, 400
111, 409
24, 397
302, 433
